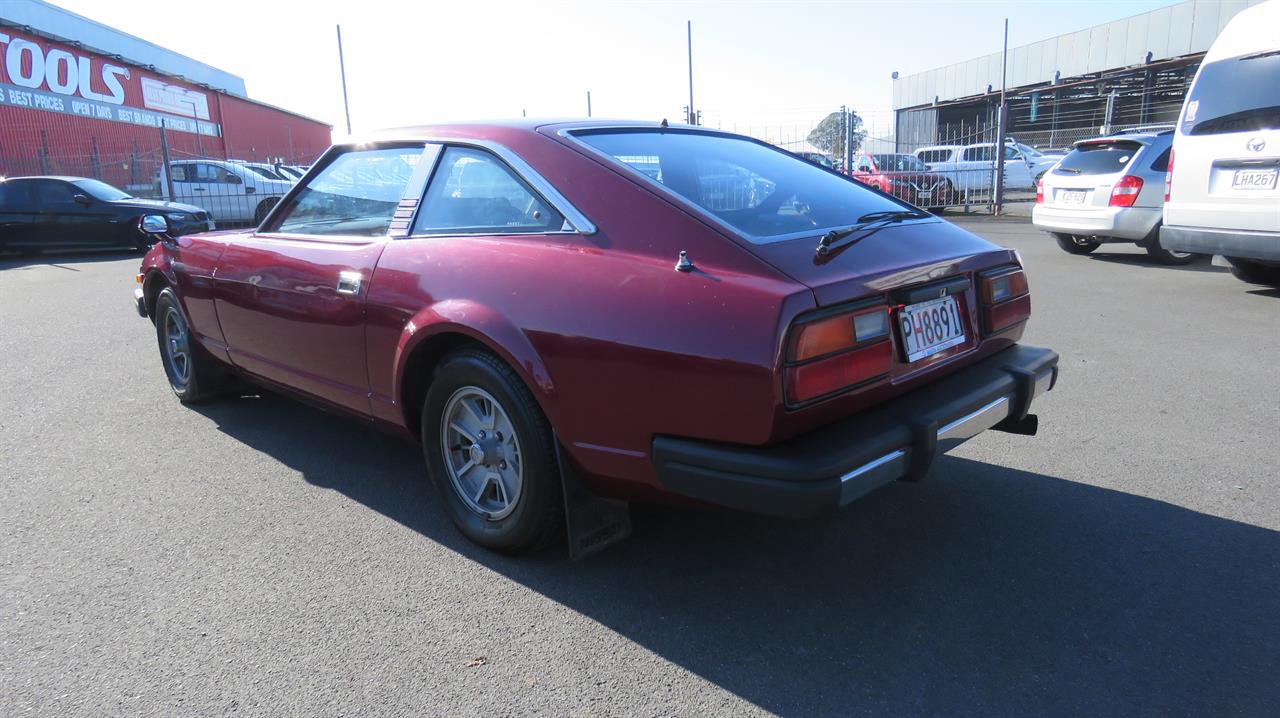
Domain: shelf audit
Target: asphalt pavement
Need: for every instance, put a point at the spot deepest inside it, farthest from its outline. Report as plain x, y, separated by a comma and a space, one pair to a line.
258, 557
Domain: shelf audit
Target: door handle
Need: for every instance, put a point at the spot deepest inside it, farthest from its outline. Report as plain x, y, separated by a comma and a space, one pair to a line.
199, 189
349, 283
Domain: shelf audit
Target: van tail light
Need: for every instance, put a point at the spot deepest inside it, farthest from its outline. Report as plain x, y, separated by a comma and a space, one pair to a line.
1168, 177
837, 352
1005, 298
1039, 191
1125, 193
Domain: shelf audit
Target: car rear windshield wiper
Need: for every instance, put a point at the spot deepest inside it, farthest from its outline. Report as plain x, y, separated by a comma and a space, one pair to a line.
867, 221
1068, 170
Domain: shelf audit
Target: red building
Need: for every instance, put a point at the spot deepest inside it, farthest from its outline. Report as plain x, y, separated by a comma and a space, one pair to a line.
71, 103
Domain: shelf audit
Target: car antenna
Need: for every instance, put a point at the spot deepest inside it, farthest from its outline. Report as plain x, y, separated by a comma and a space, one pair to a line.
663, 123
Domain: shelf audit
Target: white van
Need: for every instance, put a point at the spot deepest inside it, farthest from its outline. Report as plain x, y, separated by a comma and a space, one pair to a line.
1223, 188
972, 168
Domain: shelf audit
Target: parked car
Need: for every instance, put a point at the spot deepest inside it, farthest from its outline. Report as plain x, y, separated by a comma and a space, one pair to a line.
229, 191
292, 173
972, 168
1109, 189
61, 212
817, 158
904, 177
784, 355
270, 171
1223, 196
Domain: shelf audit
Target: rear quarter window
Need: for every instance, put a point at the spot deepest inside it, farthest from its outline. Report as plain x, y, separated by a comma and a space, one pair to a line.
765, 194
1241, 94
1098, 159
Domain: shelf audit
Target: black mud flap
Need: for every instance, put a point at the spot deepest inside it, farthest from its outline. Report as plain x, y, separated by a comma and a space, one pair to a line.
593, 523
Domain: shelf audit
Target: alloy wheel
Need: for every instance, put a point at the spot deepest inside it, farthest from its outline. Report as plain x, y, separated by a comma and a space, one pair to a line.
482, 453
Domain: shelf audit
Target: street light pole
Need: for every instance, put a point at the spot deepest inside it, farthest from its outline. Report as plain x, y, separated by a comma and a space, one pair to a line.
342, 68
1001, 125
195, 117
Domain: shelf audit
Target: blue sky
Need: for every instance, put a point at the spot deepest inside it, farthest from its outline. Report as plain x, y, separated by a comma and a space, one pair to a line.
756, 64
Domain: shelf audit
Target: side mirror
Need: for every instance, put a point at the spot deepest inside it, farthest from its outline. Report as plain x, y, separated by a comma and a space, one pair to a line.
154, 225
863, 168
82, 200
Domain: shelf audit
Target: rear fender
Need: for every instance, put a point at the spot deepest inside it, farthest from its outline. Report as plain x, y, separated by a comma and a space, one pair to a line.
486, 326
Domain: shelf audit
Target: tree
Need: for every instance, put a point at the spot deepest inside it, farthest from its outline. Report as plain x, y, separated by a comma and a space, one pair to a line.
828, 136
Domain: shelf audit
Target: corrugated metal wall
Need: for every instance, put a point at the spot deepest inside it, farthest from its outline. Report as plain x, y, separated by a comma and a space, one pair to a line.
1170, 32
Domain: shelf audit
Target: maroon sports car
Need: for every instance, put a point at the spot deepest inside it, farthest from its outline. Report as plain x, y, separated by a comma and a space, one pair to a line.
667, 313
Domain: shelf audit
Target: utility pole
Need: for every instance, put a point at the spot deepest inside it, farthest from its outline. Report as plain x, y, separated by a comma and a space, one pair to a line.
693, 117
588, 103
848, 139
1001, 125
342, 67
844, 141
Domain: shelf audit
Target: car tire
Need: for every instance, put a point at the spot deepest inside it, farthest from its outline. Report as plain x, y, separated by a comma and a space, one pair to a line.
193, 375
1166, 256
263, 208
491, 453
1071, 244
1254, 272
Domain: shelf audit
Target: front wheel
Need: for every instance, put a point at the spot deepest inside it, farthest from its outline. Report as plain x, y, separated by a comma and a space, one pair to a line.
1073, 244
1254, 272
193, 375
491, 453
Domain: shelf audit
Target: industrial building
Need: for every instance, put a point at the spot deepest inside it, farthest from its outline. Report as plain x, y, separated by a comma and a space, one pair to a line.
80, 98
1127, 73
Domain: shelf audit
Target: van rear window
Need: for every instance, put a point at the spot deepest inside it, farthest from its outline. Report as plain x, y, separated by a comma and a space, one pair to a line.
1237, 95
1101, 158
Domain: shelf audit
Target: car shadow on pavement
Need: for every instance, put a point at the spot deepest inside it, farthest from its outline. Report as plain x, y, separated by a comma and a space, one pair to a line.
1144, 260
983, 590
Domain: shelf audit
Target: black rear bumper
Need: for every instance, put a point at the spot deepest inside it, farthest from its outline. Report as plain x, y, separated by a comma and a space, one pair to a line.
830, 467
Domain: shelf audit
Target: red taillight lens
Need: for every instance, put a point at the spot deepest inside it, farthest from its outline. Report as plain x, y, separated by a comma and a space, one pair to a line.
825, 376
1125, 193
1005, 298
1168, 177
1039, 191
833, 353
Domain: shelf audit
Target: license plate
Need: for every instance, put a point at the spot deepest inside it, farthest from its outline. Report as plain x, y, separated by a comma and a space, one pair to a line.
1254, 179
1073, 196
929, 327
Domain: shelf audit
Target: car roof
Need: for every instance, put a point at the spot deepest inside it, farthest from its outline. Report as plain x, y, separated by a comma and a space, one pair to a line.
488, 128
64, 178
1145, 138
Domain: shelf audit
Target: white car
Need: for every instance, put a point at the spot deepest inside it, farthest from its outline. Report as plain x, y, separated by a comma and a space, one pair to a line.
1223, 196
229, 191
972, 168
1109, 189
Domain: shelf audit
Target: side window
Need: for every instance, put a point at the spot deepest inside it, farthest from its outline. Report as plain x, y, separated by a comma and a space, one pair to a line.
862, 161
473, 192
930, 156
52, 192
981, 153
181, 173
1012, 153
355, 195
1162, 162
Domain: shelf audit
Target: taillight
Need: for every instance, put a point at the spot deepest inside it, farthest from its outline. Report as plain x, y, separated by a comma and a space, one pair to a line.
1039, 191
1125, 193
1168, 177
1005, 298
837, 352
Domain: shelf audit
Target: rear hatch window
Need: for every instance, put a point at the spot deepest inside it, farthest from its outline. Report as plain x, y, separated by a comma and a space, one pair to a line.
767, 195
1241, 94
1098, 158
